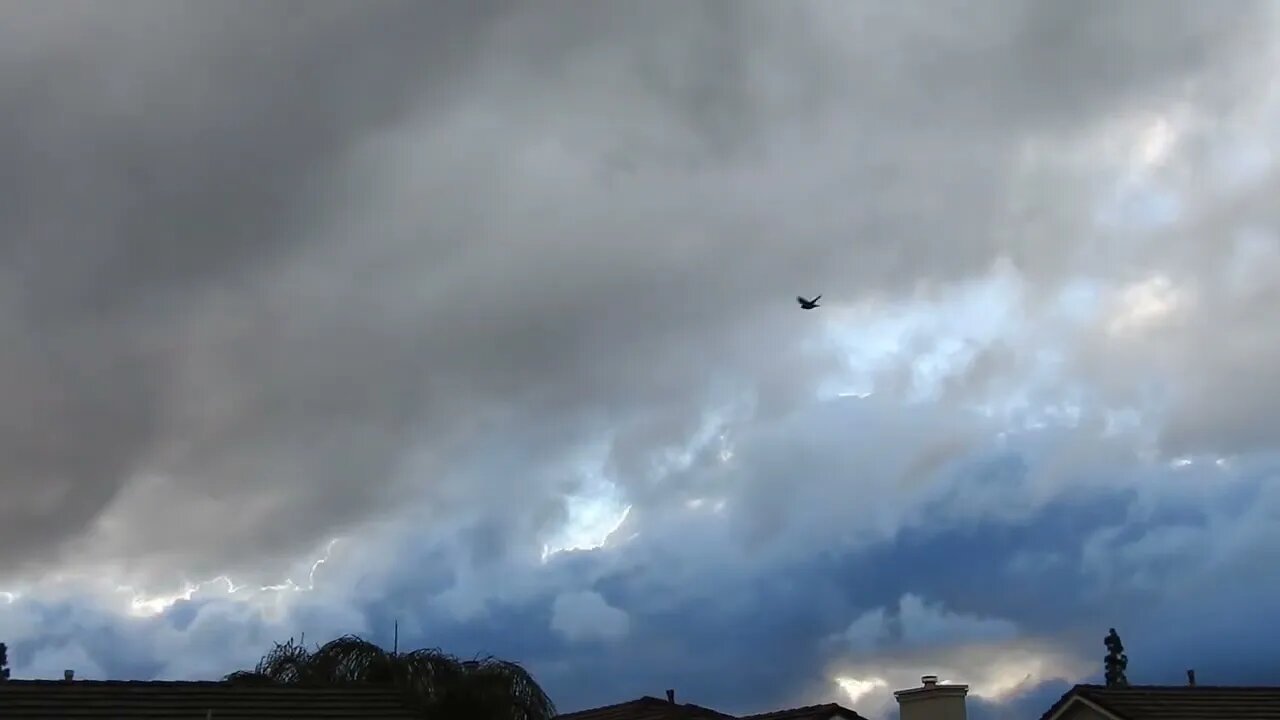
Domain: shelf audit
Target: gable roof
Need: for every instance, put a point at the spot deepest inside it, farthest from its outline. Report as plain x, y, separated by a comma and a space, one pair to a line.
123, 700
810, 712
1174, 702
652, 708
647, 708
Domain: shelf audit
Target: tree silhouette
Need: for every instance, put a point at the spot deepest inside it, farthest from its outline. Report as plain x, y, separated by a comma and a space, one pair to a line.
4, 661
446, 687
1116, 661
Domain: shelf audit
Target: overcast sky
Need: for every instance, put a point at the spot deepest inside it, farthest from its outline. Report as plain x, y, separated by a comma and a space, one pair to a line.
478, 316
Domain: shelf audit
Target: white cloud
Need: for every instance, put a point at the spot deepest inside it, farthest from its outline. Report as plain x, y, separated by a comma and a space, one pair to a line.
997, 671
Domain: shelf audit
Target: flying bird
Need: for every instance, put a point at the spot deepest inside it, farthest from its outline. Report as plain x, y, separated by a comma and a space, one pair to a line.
808, 304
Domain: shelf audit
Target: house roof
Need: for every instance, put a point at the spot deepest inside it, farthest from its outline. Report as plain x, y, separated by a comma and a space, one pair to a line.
647, 708
1173, 702
652, 708
810, 712
125, 700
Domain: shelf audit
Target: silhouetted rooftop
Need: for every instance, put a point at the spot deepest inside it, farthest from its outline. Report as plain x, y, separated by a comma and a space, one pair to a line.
126, 700
810, 712
648, 708
652, 708
1175, 702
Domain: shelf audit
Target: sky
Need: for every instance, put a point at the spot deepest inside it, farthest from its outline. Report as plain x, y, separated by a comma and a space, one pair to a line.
478, 317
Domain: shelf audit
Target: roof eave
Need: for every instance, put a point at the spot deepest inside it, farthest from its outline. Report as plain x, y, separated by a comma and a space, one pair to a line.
1075, 699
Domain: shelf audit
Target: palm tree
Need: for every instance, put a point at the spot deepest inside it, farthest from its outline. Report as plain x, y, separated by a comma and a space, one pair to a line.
483, 689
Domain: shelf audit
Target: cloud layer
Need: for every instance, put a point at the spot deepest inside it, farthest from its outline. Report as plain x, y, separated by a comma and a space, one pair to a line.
499, 296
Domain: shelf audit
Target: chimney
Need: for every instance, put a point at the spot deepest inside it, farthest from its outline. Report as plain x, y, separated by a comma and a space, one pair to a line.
932, 701
1191, 678
68, 675
671, 696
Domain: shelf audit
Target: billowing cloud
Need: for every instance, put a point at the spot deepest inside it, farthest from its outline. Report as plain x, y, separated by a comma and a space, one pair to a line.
916, 623
587, 616
329, 315
887, 649
463, 233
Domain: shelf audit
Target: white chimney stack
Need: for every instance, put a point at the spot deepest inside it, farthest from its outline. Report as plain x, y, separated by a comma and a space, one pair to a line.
932, 701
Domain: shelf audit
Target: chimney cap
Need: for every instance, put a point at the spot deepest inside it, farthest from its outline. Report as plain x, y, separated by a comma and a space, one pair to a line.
930, 688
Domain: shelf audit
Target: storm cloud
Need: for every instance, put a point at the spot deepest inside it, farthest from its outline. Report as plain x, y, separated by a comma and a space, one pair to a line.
471, 285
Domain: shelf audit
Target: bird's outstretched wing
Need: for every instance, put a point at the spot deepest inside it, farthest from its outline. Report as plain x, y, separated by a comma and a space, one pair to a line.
800, 299
816, 298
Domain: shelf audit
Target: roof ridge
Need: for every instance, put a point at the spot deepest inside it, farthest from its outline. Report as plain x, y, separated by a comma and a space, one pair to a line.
94, 682
624, 703
793, 709
108, 699
803, 709
647, 701
193, 683
1182, 688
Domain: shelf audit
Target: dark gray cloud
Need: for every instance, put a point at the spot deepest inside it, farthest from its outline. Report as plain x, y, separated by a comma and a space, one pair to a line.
275, 274
160, 153
413, 274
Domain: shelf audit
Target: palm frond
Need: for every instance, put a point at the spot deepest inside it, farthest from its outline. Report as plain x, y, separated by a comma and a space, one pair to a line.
249, 677
485, 688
